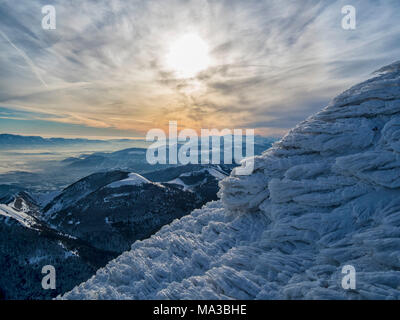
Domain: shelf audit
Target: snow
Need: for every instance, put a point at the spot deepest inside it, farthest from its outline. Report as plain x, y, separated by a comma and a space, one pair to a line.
24, 207
37, 258
20, 216
115, 195
179, 182
217, 174
133, 179
68, 253
325, 196
211, 171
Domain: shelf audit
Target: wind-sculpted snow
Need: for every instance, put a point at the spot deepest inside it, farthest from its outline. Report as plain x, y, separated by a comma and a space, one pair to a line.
325, 196
133, 179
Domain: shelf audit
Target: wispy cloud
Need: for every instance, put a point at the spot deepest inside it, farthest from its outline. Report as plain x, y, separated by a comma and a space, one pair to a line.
273, 63
28, 60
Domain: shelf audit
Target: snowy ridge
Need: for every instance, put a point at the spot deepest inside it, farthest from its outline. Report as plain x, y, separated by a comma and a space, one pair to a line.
20, 216
134, 179
217, 174
325, 196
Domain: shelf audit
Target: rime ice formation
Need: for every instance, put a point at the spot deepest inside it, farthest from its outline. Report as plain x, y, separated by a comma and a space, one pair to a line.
133, 179
325, 196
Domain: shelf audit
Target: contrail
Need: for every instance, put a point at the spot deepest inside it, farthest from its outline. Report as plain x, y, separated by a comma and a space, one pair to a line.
26, 58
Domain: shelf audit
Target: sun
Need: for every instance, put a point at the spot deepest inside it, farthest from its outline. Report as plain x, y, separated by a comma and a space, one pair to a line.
187, 56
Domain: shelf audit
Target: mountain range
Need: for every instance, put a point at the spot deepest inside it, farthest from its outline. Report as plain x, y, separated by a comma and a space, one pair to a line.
82, 227
52, 174
18, 140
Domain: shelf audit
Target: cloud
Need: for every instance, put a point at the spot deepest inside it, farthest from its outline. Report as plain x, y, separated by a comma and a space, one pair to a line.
28, 60
273, 63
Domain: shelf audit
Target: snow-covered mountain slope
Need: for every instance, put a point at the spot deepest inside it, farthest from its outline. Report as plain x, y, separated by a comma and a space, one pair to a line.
27, 244
191, 180
112, 210
20, 216
22, 207
200, 179
325, 196
133, 179
80, 189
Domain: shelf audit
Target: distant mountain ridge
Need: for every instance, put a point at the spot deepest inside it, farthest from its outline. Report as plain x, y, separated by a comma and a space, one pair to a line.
61, 173
15, 139
12, 139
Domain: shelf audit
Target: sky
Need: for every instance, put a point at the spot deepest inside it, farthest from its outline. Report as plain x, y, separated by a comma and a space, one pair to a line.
118, 68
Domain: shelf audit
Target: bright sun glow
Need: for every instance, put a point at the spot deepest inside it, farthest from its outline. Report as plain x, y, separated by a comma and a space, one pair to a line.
187, 56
